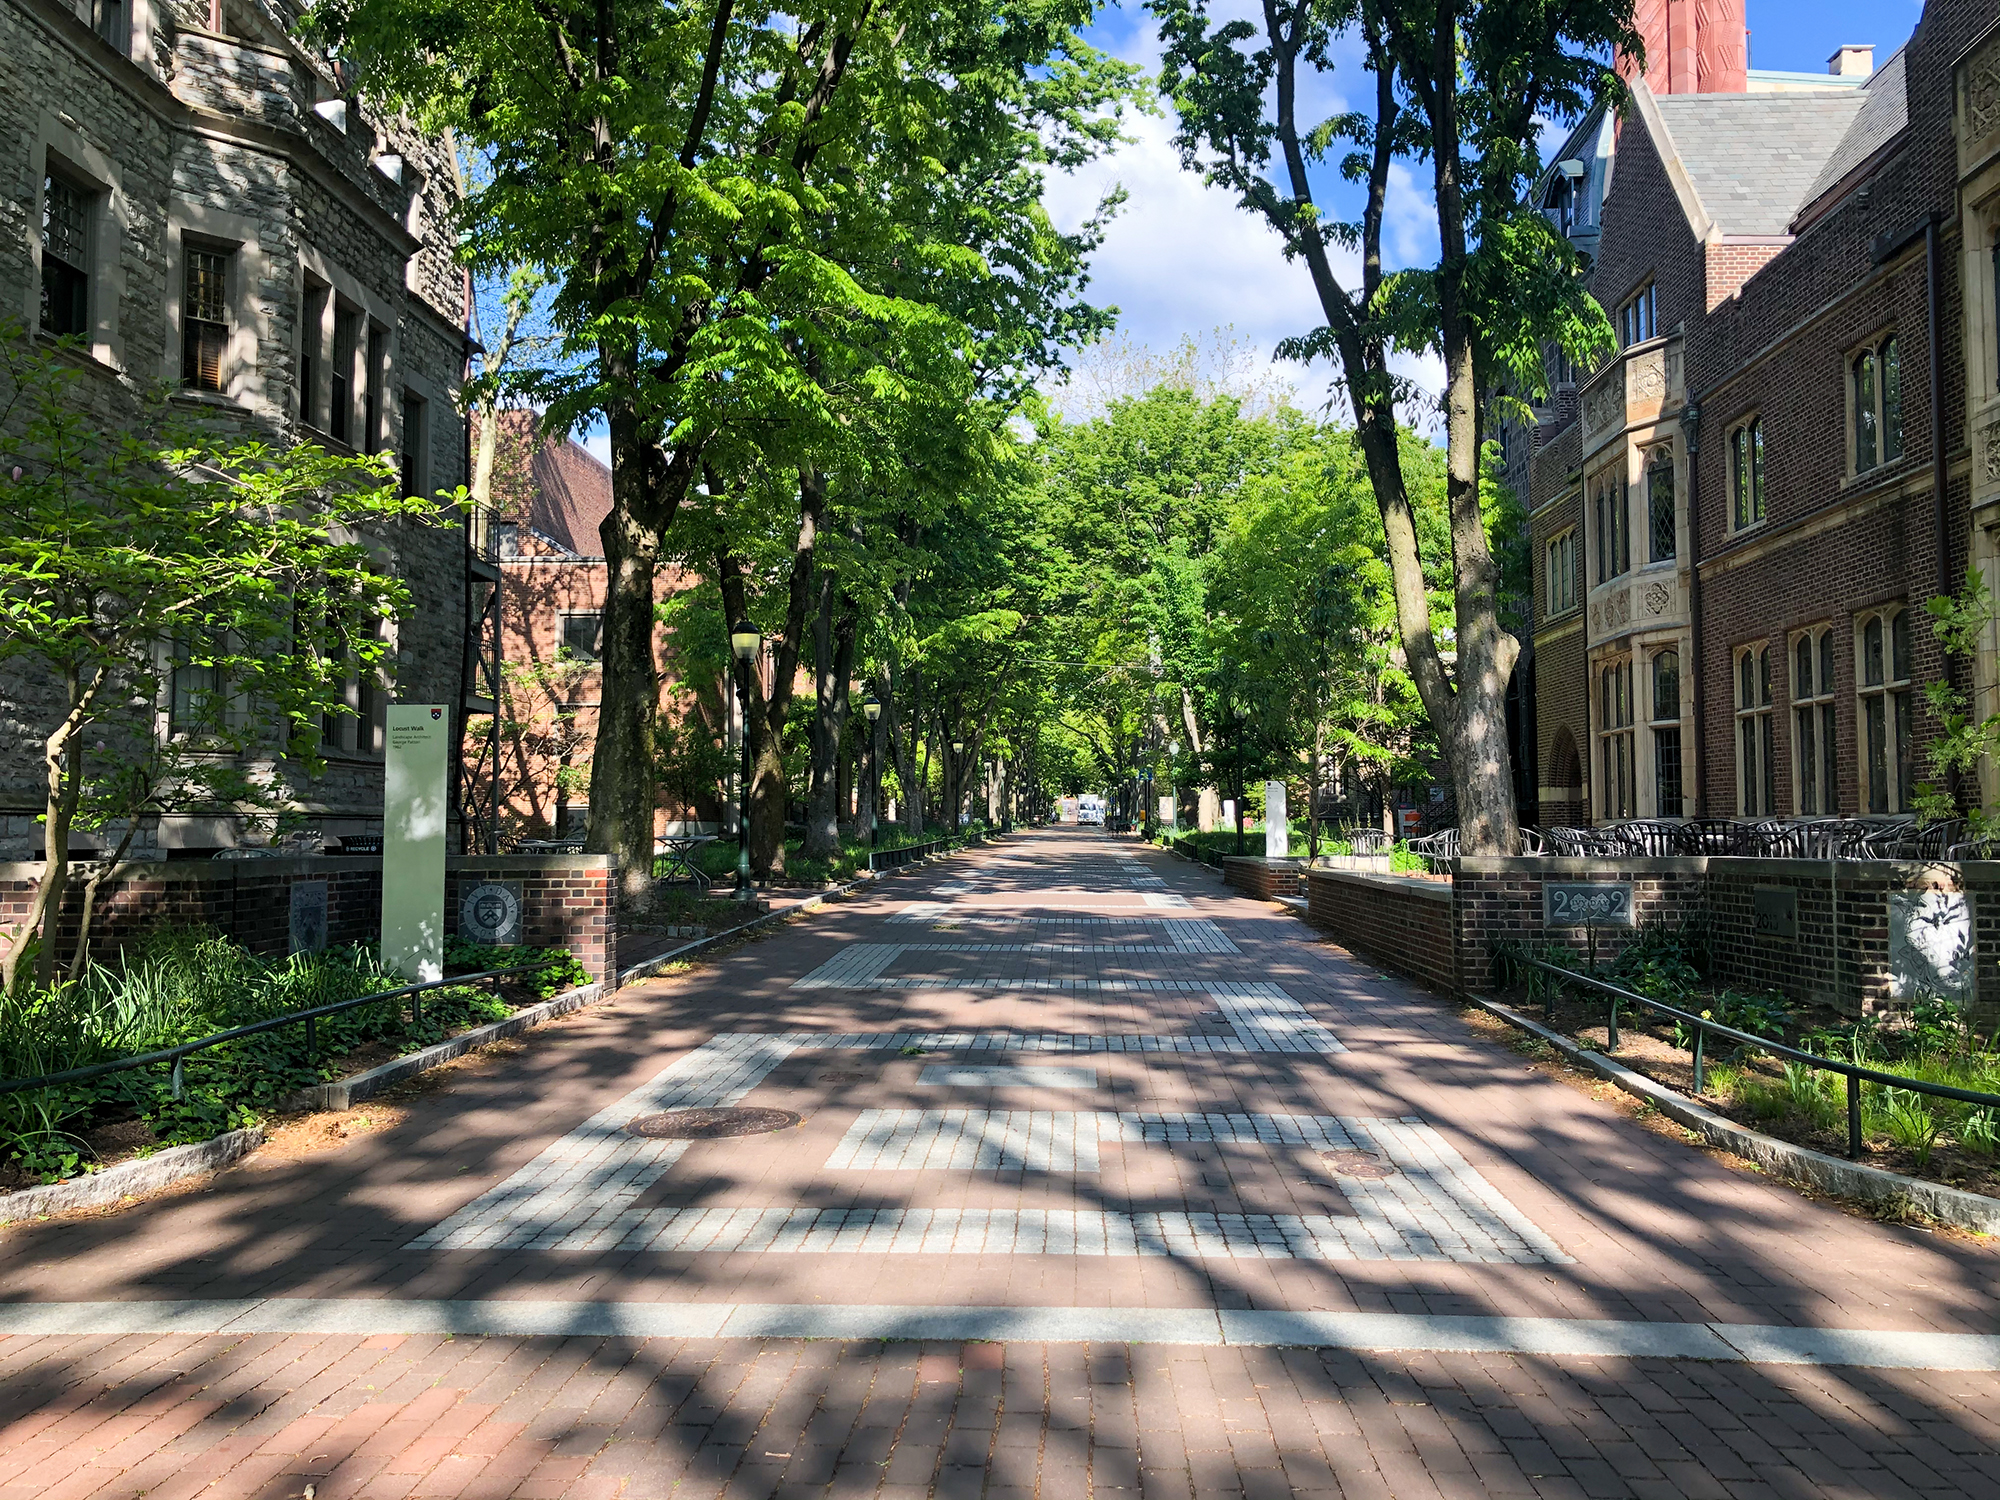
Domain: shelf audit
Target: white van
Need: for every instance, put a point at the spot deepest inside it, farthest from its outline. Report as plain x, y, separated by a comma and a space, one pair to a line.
1090, 809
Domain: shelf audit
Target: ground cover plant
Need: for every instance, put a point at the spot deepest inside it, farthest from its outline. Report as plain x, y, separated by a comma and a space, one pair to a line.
1932, 1041
180, 986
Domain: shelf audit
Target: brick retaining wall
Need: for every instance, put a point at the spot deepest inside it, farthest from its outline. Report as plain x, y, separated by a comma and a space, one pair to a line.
1266, 878
1401, 922
567, 900
1445, 932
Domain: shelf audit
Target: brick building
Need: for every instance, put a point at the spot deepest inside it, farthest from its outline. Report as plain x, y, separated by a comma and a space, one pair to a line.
550, 496
1738, 517
199, 197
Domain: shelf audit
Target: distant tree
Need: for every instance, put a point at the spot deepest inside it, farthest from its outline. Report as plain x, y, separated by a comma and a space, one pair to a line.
195, 599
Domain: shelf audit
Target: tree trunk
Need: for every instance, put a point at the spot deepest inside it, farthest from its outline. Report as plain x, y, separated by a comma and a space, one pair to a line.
621, 774
833, 644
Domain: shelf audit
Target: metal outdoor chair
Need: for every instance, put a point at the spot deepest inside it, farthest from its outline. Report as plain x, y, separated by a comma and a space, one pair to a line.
1905, 838
1532, 841
1436, 849
1364, 840
1652, 839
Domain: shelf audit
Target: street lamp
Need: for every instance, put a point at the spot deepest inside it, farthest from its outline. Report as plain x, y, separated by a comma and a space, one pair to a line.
743, 644
873, 709
956, 766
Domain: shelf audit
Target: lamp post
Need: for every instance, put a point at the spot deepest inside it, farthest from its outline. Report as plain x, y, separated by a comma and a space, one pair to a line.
743, 643
1006, 796
957, 788
873, 709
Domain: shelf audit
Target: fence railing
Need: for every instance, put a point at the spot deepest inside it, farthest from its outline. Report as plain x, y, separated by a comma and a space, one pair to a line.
904, 854
1888, 838
178, 1055
1703, 1027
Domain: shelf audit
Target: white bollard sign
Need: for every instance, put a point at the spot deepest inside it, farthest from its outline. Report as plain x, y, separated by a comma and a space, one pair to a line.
414, 798
1277, 826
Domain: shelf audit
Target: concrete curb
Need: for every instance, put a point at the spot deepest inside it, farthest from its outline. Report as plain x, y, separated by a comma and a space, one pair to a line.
1835, 1174
130, 1179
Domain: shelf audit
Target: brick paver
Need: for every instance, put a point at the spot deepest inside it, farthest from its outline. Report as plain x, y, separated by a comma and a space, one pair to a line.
1209, 1207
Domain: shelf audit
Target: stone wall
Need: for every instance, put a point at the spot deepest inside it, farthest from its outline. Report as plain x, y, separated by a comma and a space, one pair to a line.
196, 136
567, 901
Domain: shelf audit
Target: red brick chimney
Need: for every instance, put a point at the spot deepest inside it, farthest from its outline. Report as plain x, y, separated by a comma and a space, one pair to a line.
1692, 46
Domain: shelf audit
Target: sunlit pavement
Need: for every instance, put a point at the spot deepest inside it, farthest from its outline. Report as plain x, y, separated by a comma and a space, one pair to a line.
1103, 1180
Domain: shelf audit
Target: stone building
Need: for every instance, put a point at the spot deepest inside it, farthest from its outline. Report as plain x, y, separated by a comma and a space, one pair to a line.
1738, 517
202, 199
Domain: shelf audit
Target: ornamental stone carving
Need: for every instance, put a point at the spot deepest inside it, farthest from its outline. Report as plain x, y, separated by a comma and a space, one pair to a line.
1649, 379
1604, 405
1990, 448
1982, 93
1657, 598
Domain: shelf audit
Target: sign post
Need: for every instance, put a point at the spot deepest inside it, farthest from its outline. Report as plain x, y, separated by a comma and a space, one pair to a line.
414, 799
1277, 822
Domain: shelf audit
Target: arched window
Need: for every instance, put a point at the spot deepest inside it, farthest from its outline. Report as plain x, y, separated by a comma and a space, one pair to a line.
1666, 732
1815, 777
1875, 386
1746, 473
1756, 775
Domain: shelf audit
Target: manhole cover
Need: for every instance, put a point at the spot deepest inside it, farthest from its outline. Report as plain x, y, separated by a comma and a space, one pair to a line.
838, 1075
1356, 1164
711, 1124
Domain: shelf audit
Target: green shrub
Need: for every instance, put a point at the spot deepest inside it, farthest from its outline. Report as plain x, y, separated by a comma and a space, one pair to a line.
561, 970
180, 987
1979, 1132
1905, 1116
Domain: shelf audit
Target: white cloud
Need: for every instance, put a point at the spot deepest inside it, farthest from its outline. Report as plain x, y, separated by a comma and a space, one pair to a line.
1181, 258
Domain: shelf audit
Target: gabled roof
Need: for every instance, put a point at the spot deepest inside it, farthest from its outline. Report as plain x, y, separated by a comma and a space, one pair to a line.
571, 496
569, 491
1752, 159
1883, 114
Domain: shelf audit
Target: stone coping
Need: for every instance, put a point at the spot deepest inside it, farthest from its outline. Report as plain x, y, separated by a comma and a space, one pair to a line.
1836, 1174
1408, 885
1290, 862
130, 1179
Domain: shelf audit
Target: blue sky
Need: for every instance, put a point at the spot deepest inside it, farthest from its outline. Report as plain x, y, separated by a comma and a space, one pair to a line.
1182, 259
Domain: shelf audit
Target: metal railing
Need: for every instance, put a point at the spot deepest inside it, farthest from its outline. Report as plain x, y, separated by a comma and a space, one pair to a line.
1884, 838
904, 854
178, 1055
1855, 1073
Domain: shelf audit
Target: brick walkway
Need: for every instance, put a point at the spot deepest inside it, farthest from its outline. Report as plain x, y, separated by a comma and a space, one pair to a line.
1106, 1181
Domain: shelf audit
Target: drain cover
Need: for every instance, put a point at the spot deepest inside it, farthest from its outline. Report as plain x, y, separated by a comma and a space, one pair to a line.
1364, 1164
711, 1124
